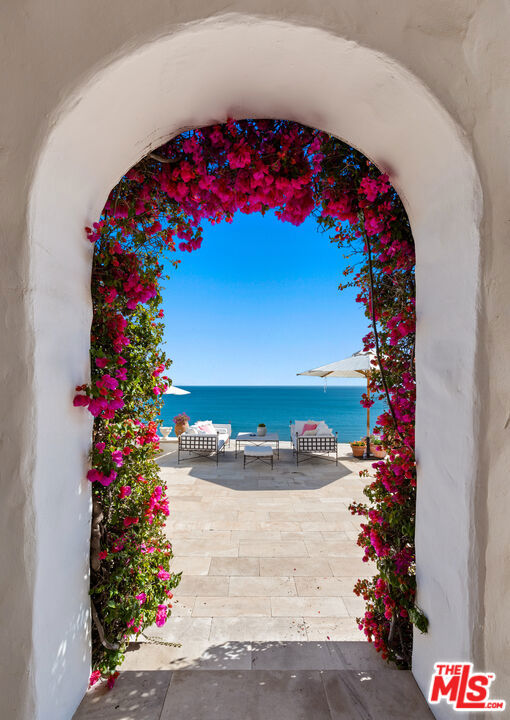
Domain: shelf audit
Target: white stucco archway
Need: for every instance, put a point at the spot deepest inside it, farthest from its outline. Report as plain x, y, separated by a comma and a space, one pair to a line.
247, 67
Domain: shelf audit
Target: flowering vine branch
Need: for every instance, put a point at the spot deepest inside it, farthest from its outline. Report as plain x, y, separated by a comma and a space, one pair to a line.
374, 323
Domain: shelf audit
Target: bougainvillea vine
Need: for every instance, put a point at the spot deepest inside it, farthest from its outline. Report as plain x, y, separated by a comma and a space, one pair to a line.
208, 175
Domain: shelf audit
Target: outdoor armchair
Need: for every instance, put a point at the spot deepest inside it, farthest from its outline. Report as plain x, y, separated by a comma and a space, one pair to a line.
320, 442
200, 444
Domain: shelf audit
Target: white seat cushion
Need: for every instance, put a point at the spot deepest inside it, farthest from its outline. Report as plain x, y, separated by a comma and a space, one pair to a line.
323, 429
258, 450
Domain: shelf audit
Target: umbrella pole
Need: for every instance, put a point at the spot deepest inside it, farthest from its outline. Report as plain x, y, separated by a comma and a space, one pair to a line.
368, 418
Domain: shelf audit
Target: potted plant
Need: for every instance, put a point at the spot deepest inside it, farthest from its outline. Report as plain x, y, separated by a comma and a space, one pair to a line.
358, 448
181, 423
376, 448
261, 429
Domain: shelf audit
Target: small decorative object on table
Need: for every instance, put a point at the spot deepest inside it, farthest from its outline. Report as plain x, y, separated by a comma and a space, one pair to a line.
181, 423
165, 431
358, 448
261, 429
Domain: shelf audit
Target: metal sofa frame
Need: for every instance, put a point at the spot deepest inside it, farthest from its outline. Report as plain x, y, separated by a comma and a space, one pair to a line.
315, 446
202, 446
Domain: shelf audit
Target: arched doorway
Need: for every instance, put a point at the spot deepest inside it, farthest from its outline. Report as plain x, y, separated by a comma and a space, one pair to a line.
188, 79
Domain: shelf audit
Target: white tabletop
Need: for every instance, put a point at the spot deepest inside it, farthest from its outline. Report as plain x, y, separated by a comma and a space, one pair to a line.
253, 437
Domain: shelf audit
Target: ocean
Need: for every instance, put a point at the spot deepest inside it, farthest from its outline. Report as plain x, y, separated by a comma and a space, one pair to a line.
247, 406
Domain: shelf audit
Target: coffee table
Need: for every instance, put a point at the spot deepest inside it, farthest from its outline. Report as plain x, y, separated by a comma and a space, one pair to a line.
254, 439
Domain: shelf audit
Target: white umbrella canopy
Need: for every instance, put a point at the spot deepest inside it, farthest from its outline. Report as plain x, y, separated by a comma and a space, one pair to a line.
351, 367
173, 390
357, 365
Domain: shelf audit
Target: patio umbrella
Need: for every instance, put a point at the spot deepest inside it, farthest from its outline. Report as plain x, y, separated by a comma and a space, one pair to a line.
173, 390
358, 364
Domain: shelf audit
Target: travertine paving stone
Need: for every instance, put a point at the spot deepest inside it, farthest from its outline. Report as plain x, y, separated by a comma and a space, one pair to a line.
351, 566
135, 695
182, 630
358, 695
249, 694
257, 629
232, 607
333, 629
304, 566
308, 607
325, 586
264, 548
205, 585
264, 586
191, 565
234, 566
355, 605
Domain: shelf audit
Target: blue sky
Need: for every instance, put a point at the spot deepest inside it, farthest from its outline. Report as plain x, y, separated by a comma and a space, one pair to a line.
258, 303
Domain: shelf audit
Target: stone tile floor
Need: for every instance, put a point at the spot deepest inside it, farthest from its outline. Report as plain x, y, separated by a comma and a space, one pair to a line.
264, 616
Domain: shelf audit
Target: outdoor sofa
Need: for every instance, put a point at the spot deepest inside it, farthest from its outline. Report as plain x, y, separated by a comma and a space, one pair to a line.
313, 438
204, 439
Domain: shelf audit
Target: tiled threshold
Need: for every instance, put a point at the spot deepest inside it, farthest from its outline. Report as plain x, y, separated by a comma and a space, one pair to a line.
258, 681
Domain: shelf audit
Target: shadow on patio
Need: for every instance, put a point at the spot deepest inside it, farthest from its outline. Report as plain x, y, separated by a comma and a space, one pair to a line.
258, 681
285, 475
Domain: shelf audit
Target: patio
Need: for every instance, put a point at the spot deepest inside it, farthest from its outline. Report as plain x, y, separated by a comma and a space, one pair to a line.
265, 555
265, 605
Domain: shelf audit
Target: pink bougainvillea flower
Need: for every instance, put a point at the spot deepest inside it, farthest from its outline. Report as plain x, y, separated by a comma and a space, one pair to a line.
100, 446
161, 614
117, 458
127, 450
81, 401
94, 677
128, 521
108, 382
106, 480
111, 679
125, 491
110, 295
142, 597
157, 371
93, 475
97, 406
103, 554
163, 574
101, 362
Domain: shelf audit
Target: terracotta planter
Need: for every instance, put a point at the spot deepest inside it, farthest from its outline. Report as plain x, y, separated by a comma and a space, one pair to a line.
181, 427
358, 450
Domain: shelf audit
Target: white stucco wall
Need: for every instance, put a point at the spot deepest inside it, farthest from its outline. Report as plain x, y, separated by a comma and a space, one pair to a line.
114, 83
